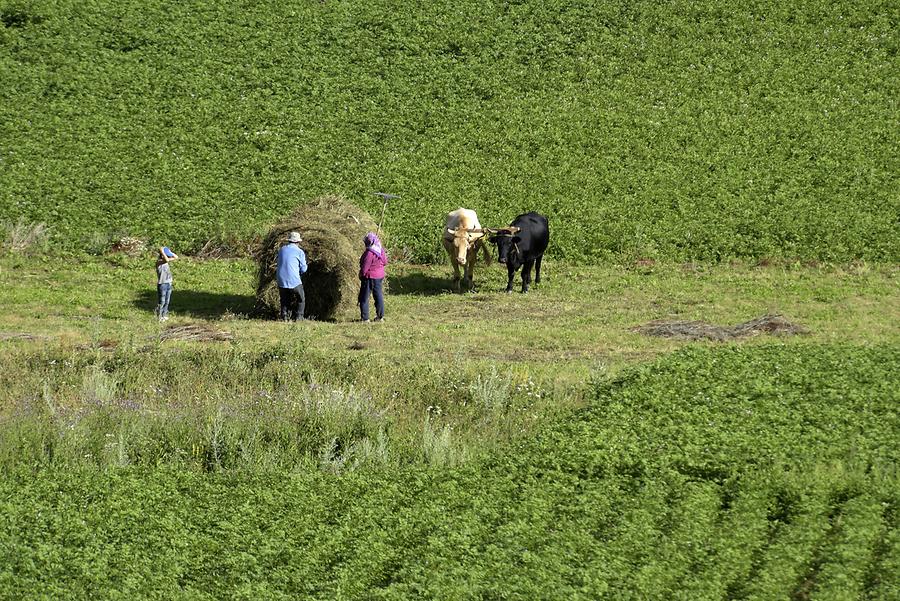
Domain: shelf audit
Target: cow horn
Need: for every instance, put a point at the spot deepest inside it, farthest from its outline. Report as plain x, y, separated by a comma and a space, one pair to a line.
451, 232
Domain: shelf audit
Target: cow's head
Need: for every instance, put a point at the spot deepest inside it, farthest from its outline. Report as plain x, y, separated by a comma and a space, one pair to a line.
462, 241
507, 241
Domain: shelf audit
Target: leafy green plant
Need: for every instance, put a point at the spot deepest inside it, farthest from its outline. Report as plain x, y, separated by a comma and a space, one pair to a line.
746, 472
643, 130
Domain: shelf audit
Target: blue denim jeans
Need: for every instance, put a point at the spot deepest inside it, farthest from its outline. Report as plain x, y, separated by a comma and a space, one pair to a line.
163, 293
375, 288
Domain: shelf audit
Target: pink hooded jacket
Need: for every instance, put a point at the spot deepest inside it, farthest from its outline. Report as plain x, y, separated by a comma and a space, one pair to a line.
374, 258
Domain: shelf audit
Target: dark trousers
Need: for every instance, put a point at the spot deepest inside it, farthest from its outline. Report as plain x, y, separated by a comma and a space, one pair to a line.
293, 303
374, 287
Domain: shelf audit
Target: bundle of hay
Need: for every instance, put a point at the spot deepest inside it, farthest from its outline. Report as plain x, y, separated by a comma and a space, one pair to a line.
333, 232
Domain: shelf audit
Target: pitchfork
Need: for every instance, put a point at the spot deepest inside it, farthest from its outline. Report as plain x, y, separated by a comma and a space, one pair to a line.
386, 197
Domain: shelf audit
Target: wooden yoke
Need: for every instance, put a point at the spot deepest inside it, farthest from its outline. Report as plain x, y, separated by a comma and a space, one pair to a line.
509, 230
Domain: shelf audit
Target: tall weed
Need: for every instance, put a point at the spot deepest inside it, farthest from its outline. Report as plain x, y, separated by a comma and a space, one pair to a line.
24, 237
277, 408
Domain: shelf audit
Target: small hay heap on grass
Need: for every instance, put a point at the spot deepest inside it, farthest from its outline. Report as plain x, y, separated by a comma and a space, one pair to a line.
699, 330
195, 332
332, 230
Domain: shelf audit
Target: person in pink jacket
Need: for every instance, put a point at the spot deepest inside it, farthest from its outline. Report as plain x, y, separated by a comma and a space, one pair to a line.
371, 277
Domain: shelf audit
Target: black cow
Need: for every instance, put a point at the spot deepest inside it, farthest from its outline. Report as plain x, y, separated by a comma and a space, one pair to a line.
524, 246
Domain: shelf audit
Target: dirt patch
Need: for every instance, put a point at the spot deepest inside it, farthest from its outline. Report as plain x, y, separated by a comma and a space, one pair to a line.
195, 332
700, 330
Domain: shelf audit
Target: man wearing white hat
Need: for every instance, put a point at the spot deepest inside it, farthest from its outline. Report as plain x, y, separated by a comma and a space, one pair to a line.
291, 265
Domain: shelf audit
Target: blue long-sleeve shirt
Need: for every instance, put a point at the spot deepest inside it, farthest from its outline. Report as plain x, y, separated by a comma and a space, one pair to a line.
291, 265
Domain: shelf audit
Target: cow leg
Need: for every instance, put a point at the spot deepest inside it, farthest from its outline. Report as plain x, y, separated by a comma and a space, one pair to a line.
511, 274
471, 259
448, 246
470, 276
456, 273
537, 269
526, 275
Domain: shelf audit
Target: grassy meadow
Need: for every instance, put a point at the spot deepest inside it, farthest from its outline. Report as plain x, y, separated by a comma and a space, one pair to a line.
698, 161
474, 446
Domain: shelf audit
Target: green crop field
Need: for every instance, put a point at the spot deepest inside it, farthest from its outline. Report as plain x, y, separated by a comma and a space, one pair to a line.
733, 473
682, 130
703, 165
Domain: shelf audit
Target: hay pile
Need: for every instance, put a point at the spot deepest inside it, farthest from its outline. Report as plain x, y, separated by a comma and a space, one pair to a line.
333, 232
699, 330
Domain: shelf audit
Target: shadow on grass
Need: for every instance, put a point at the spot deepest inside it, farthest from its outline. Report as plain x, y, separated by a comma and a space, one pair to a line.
420, 284
204, 305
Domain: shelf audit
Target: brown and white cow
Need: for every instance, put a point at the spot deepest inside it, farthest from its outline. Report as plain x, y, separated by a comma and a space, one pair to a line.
463, 238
